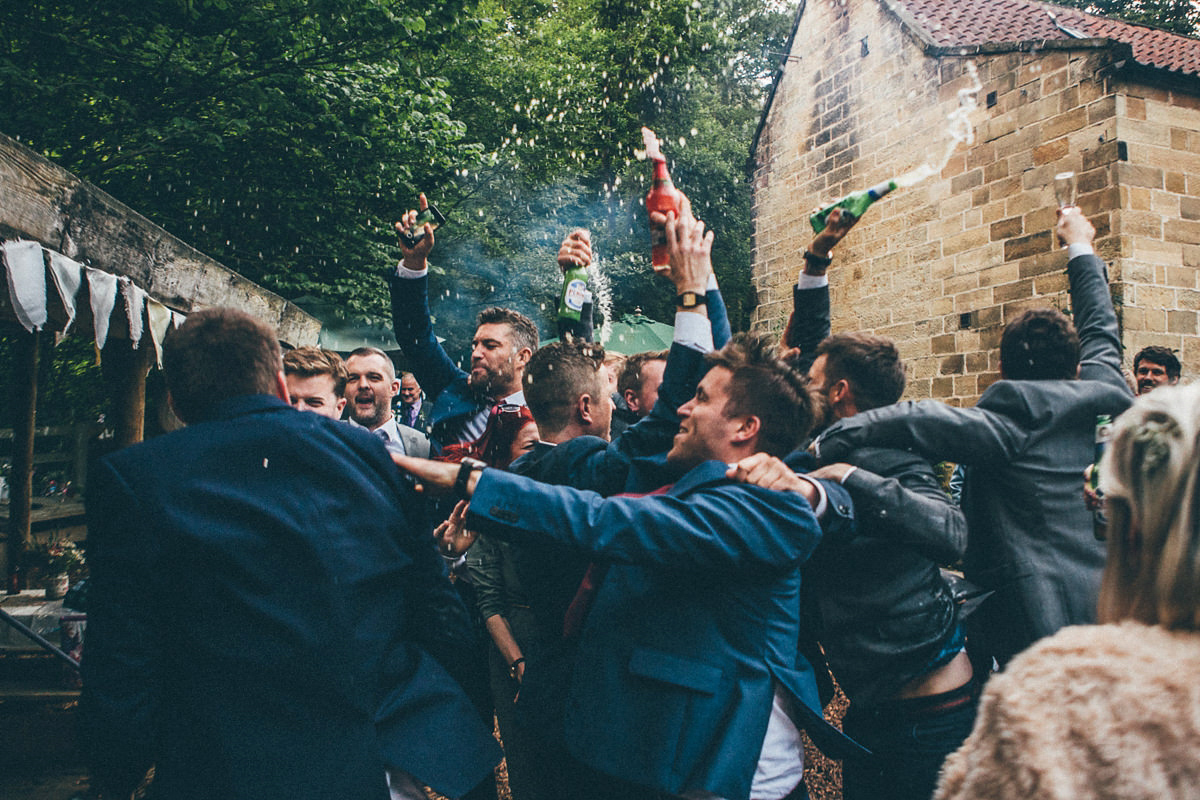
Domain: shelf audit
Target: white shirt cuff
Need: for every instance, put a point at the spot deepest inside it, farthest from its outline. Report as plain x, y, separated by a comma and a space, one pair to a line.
712, 282
822, 498
1080, 249
404, 272
694, 331
806, 281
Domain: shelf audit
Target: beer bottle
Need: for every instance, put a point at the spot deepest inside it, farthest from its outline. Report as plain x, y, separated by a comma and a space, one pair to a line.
663, 198
855, 203
1104, 425
574, 293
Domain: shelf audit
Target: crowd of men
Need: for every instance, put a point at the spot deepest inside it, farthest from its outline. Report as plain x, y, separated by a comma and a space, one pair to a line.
651, 613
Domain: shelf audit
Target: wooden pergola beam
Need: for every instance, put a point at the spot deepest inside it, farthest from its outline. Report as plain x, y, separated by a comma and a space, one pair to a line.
41, 201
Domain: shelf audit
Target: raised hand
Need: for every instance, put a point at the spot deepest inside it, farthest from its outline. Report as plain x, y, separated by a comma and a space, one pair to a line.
690, 249
838, 224
576, 250
415, 257
452, 535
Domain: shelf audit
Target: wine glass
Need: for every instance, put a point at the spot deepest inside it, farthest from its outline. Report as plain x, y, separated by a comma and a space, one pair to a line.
1064, 189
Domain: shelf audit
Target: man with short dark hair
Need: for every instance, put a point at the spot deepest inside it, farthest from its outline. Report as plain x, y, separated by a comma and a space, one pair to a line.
885, 618
1155, 366
639, 380
1025, 444
503, 342
370, 386
316, 380
566, 387
267, 616
686, 680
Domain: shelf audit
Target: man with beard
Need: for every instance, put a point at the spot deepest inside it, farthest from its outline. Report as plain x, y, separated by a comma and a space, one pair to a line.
503, 342
370, 387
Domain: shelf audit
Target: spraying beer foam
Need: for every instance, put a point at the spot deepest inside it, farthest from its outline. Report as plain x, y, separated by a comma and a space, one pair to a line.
960, 129
652, 150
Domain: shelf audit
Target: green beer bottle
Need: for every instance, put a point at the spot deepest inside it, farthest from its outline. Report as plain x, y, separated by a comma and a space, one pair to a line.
855, 203
574, 293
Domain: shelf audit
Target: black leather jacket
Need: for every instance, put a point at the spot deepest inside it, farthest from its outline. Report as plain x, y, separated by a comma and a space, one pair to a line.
883, 613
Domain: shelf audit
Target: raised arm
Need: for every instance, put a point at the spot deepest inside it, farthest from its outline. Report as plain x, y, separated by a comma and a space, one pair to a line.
1091, 301
575, 254
808, 325
690, 273
411, 318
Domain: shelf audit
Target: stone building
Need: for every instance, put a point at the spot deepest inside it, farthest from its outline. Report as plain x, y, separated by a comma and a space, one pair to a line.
864, 96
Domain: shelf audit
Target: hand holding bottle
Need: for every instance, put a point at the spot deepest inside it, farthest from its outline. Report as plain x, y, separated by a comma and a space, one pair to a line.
855, 202
837, 225
415, 256
689, 248
576, 250
574, 301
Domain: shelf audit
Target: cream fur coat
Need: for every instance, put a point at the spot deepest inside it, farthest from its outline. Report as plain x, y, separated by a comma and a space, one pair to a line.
1098, 711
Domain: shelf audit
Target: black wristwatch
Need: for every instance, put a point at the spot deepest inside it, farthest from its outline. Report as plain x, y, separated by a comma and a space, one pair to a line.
465, 468
691, 299
816, 261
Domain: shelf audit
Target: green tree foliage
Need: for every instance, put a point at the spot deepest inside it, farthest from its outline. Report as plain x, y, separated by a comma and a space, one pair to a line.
1177, 16
558, 100
270, 135
282, 137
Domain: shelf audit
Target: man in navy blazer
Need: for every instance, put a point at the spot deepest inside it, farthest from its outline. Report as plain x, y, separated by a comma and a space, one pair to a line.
269, 617
687, 670
503, 342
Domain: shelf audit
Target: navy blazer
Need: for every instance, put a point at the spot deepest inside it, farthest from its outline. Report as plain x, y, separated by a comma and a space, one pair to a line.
694, 624
444, 383
1026, 444
265, 612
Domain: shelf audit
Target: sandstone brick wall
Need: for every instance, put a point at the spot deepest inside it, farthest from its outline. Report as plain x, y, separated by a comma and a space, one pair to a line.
941, 267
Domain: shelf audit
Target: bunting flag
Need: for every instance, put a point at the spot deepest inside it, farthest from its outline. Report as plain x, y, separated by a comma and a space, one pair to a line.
135, 302
26, 282
159, 317
68, 280
103, 289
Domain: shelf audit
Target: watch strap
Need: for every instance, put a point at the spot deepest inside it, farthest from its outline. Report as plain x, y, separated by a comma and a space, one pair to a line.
690, 299
465, 468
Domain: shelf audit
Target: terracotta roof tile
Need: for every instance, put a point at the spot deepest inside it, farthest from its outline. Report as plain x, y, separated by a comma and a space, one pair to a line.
977, 22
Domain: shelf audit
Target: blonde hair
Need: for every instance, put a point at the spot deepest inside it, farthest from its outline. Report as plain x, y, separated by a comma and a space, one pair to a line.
1149, 478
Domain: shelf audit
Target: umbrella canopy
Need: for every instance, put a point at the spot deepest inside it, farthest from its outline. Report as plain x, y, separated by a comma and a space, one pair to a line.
635, 333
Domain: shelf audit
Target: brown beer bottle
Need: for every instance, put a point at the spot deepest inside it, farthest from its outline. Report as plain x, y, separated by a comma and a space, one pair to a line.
663, 198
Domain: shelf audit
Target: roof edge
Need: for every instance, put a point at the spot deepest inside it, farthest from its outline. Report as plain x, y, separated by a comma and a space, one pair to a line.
770, 101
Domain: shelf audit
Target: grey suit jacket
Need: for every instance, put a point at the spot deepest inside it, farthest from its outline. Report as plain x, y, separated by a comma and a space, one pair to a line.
1026, 444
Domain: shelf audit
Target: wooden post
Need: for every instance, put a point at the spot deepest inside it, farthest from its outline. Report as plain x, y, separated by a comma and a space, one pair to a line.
125, 371
20, 504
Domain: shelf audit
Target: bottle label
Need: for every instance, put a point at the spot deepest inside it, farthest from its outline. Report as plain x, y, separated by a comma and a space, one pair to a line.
576, 294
